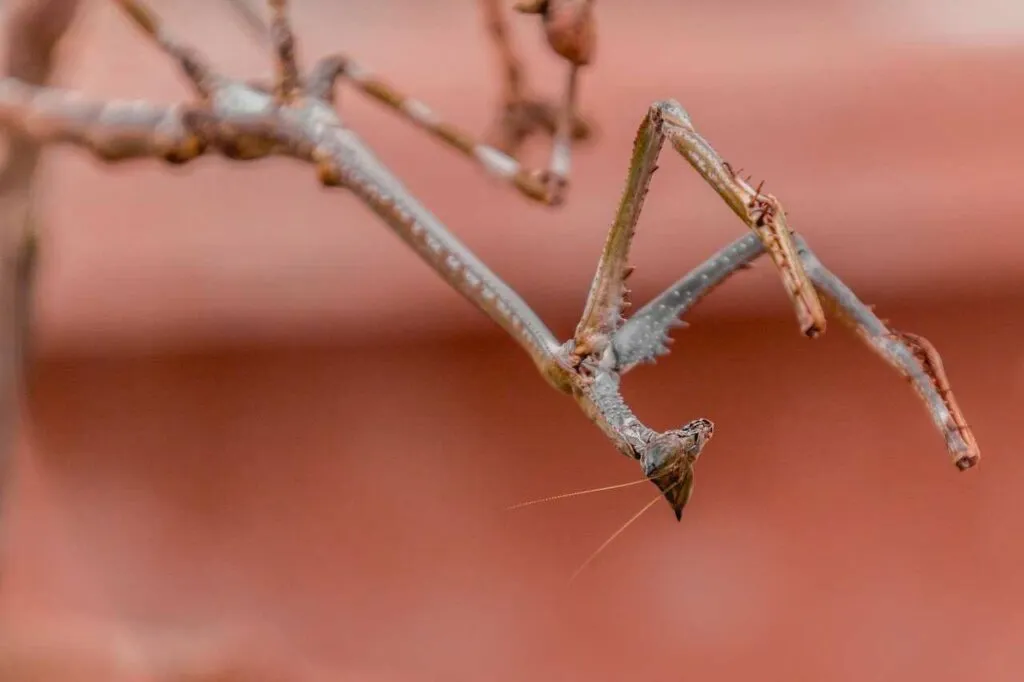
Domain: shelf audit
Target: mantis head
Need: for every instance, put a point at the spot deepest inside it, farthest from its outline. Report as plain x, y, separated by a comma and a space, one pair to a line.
669, 458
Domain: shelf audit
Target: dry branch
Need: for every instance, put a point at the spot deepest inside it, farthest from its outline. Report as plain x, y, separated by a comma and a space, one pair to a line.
295, 117
34, 29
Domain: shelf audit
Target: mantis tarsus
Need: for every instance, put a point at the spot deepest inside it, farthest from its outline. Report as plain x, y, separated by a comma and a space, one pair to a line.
294, 115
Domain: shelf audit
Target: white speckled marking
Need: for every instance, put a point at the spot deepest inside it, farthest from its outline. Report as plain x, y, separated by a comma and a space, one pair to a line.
357, 72
419, 111
496, 162
561, 161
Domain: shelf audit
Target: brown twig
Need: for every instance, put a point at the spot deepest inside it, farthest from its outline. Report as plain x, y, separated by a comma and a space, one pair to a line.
34, 29
522, 114
254, 23
297, 118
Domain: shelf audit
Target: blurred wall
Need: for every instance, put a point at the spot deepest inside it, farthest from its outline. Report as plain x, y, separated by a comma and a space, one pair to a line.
895, 150
351, 502
256, 410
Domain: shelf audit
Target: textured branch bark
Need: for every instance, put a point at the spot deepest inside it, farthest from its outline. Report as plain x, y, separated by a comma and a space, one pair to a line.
33, 30
295, 116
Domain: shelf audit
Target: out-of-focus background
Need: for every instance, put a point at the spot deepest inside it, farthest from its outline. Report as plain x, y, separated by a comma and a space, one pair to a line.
256, 411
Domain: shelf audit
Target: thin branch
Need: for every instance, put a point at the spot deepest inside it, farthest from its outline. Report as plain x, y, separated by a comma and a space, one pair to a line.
34, 29
523, 115
602, 315
911, 355
250, 16
529, 182
112, 130
513, 80
283, 39
761, 212
644, 336
203, 78
246, 122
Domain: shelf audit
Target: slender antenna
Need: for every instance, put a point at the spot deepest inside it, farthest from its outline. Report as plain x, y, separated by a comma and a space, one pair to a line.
252, 19
616, 534
577, 493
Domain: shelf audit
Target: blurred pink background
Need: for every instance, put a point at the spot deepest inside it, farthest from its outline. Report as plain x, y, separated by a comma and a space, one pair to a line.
257, 411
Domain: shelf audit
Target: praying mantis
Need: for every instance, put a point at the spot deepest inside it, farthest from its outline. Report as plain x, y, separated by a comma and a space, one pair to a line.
294, 114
